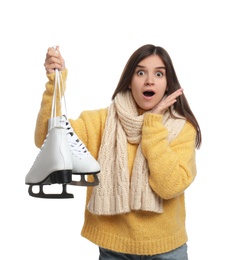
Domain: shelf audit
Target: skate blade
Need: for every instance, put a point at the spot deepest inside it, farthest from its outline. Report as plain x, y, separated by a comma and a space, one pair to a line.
41, 194
83, 182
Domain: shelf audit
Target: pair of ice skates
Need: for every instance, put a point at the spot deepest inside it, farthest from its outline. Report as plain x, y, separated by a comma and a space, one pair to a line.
61, 156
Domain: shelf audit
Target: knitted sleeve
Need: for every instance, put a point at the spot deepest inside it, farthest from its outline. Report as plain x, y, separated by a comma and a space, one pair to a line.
172, 166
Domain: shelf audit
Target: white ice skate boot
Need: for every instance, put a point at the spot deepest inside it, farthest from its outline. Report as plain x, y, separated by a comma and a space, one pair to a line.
52, 165
83, 162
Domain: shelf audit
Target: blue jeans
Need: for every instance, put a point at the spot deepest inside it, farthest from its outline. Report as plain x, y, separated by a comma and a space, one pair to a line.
179, 253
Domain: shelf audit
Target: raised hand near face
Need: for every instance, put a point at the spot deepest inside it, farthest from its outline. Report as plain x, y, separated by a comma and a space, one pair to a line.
165, 103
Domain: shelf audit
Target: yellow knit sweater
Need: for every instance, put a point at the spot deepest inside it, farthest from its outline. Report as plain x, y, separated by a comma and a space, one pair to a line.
172, 169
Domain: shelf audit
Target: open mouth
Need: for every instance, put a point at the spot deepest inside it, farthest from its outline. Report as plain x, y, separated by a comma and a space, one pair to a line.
148, 93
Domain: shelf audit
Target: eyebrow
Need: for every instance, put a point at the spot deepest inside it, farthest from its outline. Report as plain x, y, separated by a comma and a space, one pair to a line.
161, 67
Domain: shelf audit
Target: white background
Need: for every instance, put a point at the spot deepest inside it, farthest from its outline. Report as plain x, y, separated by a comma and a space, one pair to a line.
210, 45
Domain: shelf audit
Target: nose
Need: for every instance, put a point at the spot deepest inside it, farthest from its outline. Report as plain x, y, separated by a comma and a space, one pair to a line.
149, 81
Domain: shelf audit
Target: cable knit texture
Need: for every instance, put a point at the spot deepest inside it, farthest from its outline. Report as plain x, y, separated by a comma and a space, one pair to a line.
116, 194
171, 168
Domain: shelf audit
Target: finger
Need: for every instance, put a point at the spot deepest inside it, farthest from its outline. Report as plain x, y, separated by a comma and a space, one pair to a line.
172, 98
167, 102
53, 52
174, 95
50, 67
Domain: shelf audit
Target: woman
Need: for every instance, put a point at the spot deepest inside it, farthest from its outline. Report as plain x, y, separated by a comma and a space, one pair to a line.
145, 143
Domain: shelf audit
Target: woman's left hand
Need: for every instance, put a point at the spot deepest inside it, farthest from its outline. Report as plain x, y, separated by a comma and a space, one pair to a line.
167, 102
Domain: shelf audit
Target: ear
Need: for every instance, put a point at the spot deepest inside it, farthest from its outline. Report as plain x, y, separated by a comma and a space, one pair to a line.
129, 86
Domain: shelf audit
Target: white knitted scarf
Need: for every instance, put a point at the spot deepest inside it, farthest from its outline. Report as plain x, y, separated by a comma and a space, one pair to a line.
116, 193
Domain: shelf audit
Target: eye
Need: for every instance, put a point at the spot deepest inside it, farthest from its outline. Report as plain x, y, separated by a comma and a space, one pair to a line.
159, 74
140, 72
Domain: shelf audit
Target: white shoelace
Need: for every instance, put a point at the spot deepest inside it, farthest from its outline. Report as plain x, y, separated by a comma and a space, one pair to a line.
76, 146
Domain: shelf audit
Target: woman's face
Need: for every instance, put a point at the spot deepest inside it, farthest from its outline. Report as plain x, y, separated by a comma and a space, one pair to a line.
149, 83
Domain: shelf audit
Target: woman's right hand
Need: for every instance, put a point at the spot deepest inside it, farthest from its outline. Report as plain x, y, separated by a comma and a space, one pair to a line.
54, 60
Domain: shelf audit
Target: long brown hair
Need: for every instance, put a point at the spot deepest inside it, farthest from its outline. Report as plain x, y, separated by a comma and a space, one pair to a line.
181, 106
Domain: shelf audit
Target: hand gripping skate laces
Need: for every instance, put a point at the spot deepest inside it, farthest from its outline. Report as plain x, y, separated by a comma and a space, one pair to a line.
83, 162
53, 164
